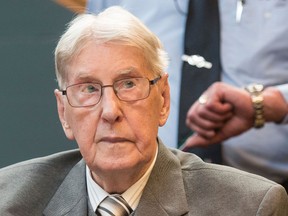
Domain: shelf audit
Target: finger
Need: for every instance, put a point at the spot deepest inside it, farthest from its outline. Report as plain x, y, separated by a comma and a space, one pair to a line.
211, 117
207, 133
195, 141
200, 111
219, 107
199, 141
206, 121
214, 103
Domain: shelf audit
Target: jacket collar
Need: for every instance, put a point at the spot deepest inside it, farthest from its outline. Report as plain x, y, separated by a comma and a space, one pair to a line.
164, 193
71, 196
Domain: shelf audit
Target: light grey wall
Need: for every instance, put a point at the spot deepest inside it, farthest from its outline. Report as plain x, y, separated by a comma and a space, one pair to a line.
29, 125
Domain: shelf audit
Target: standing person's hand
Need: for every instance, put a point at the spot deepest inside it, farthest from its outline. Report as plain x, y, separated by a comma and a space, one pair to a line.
224, 111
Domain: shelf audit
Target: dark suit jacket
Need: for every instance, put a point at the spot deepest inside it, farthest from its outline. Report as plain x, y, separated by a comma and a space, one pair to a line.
180, 184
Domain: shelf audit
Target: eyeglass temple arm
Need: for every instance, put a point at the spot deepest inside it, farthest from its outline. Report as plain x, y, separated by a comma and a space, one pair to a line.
152, 82
64, 92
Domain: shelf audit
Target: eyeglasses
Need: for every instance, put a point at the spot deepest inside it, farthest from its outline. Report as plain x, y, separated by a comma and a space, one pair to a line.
89, 94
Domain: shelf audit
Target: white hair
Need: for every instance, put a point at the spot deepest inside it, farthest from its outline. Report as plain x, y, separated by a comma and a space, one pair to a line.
114, 25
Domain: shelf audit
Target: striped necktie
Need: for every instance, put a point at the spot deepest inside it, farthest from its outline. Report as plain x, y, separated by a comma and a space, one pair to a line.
114, 205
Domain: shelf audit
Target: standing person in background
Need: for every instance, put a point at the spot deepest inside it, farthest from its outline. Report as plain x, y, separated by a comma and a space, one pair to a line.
254, 49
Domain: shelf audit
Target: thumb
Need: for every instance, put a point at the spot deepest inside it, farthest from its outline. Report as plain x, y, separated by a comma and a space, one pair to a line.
195, 141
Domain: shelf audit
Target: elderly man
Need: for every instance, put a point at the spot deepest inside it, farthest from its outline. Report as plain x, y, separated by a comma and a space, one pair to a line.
114, 94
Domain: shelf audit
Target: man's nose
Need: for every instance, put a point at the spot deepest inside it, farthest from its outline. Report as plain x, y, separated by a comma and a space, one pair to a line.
110, 104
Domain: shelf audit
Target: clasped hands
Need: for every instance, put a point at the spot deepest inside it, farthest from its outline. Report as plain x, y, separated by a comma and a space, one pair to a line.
224, 111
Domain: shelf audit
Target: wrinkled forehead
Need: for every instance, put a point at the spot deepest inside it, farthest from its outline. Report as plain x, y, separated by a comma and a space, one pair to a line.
65, 56
100, 61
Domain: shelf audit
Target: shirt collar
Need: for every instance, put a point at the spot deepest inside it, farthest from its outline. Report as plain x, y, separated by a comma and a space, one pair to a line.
132, 195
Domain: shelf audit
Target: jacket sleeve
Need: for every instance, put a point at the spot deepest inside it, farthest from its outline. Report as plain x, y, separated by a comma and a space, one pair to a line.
274, 203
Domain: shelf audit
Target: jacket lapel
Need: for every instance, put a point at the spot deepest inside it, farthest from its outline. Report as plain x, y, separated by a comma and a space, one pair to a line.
164, 193
71, 196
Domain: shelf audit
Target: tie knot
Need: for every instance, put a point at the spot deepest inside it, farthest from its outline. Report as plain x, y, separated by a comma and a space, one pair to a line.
114, 205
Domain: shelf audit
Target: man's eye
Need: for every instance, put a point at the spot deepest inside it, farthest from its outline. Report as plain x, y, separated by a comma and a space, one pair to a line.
128, 84
91, 89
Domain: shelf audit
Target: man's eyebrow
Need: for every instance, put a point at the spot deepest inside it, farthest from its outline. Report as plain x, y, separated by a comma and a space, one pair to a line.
129, 71
125, 72
82, 77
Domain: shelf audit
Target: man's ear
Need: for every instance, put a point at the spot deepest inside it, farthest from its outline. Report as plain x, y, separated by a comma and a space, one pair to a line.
62, 114
165, 98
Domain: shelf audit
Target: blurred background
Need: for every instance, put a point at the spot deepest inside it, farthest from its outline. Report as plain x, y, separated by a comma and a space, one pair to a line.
29, 31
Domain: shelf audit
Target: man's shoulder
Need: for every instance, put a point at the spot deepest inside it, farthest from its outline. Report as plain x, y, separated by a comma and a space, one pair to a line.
60, 160
33, 182
227, 187
192, 165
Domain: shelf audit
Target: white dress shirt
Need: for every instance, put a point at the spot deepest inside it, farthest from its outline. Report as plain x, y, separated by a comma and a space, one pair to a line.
132, 195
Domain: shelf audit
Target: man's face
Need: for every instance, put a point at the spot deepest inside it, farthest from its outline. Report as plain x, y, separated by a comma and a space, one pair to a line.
114, 135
